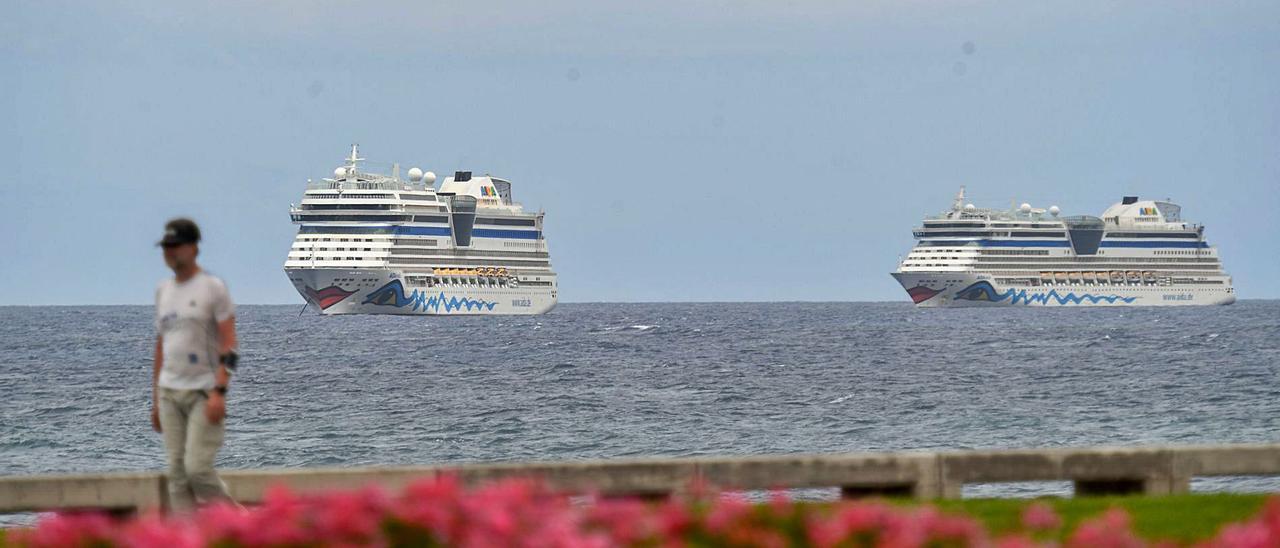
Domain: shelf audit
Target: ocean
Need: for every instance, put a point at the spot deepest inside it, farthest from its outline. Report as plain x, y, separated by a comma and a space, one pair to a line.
628, 380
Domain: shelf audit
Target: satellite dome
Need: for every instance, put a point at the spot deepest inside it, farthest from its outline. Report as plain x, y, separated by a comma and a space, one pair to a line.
969, 207
1053, 210
1025, 208
429, 177
339, 172
415, 174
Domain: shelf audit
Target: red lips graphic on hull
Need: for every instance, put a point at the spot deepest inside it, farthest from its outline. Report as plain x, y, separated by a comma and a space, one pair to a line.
921, 293
329, 296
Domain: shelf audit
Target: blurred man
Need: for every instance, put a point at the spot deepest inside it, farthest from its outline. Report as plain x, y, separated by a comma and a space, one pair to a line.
194, 357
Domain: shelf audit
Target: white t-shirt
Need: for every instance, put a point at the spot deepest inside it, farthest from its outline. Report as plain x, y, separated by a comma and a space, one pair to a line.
187, 316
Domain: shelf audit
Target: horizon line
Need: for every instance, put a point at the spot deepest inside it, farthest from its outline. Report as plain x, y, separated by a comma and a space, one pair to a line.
570, 303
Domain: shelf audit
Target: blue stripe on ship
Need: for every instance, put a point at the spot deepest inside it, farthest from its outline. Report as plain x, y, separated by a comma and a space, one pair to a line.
478, 232
501, 233
1026, 243
1196, 245
422, 231
1064, 243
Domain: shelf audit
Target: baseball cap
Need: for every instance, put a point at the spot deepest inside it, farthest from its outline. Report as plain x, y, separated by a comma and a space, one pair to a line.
180, 231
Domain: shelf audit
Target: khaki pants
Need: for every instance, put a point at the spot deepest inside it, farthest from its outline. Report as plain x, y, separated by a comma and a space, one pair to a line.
191, 443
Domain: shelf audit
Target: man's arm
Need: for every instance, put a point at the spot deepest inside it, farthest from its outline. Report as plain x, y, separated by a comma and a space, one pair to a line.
155, 380
226, 344
216, 407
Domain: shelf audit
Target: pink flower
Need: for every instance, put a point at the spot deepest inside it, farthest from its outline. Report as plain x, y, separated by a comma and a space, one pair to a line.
1111, 530
152, 531
1039, 516
1254, 534
523, 514
1016, 542
353, 517
1262, 531
727, 513
68, 530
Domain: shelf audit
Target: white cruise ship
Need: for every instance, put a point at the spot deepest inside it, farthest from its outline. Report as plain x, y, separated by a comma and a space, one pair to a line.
1139, 253
377, 244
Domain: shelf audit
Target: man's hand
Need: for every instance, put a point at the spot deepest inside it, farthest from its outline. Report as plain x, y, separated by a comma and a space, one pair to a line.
155, 418
215, 408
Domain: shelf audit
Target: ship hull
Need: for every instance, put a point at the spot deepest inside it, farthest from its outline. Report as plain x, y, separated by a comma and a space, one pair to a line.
385, 291
965, 289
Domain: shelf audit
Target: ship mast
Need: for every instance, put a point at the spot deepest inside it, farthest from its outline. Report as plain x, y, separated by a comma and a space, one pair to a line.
958, 204
355, 156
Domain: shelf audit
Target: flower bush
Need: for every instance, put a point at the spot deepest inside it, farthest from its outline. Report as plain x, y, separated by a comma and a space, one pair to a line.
521, 513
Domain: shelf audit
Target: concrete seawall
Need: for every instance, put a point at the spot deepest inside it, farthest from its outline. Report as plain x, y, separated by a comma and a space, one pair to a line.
924, 475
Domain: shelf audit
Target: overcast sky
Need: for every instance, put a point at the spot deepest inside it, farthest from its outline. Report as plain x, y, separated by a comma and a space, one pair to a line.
684, 151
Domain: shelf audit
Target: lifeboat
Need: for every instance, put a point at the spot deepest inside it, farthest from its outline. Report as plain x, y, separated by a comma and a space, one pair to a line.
1087, 276
1117, 277
1046, 277
1149, 277
1060, 277
1103, 277
1134, 276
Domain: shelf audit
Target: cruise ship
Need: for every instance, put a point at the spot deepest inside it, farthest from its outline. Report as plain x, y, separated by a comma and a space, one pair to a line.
1138, 253
370, 243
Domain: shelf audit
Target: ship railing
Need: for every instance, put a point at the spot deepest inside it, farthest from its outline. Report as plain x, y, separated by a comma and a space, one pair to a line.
376, 184
1171, 226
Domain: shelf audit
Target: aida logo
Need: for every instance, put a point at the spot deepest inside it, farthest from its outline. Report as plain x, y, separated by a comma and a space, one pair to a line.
488, 191
1147, 211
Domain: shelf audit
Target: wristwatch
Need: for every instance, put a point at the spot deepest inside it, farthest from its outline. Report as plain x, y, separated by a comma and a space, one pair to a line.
231, 359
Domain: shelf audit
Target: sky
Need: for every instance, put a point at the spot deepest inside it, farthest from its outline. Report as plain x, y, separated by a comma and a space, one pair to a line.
751, 150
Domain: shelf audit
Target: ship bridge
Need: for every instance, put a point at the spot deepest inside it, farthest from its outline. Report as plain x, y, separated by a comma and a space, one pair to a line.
1085, 233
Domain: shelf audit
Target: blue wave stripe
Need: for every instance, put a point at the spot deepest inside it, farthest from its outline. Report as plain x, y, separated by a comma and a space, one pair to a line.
983, 291
392, 294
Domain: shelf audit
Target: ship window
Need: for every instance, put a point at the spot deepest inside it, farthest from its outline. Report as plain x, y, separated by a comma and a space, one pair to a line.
311, 229
504, 221
314, 207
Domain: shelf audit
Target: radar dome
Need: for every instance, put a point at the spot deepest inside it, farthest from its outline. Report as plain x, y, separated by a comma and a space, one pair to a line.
415, 174
429, 177
969, 207
1053, 210
339, 172
1025, 208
